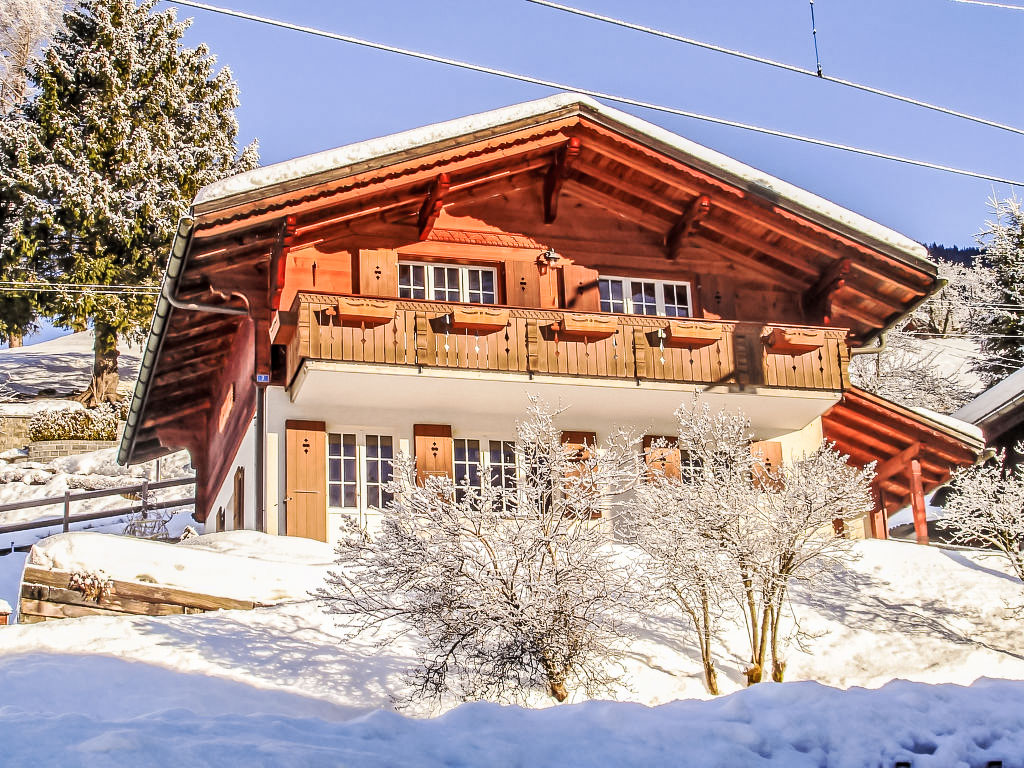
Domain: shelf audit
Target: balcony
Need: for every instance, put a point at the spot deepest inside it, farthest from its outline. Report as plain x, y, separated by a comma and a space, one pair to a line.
552, 343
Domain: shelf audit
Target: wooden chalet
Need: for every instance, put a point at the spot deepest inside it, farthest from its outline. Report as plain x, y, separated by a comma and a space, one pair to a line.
407, 293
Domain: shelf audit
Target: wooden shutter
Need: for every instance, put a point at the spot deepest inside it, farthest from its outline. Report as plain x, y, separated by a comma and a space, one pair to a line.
770, 452
433, 446
581, 289
665, 460
378, 272
306, 479
581, 444
522, 284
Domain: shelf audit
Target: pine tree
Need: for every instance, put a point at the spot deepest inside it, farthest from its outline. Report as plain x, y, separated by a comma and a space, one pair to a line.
127, 125
1003, 323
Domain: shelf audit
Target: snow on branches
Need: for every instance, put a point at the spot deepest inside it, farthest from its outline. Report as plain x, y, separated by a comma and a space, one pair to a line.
512, 587
735, 527
986, 507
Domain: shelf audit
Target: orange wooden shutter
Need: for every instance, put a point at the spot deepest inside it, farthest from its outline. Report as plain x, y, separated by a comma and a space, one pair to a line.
378, 272
433, 446
522, 284
770, 452
581, 289
306, 479
665, 459
581, 444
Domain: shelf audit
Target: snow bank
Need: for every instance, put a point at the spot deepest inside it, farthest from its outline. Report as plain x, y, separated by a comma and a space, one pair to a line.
32, 407
244, 565
794, 725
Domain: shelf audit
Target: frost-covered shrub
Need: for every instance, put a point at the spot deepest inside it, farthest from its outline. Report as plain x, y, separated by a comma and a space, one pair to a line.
98, 423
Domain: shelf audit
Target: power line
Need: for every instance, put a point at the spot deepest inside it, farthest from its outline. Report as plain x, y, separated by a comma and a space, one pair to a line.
589, 92
15, 286
991, 5
779, 64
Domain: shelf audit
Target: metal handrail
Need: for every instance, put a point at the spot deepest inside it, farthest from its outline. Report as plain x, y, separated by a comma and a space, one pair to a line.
67, 518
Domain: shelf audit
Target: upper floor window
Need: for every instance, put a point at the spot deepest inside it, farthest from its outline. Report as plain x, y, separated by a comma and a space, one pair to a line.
457, 283
632, 296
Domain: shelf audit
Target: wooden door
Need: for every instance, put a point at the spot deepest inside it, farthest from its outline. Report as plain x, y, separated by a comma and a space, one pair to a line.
306, 479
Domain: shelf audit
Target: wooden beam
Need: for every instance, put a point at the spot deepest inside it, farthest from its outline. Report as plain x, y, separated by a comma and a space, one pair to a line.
909, 429
695, 213
177, 410
800, 263
432, 206
669, 206
917, 502
817, 300
747, 261
557, 173
279, 261
897, 463
621, 208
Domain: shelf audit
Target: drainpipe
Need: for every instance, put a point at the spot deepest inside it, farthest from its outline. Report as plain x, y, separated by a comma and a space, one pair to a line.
261, 386
879, 336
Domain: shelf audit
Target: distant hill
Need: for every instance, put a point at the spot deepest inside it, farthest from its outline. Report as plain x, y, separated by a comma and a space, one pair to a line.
954, 253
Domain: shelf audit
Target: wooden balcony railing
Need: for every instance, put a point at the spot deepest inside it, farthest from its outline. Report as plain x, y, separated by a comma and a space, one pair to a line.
432, 334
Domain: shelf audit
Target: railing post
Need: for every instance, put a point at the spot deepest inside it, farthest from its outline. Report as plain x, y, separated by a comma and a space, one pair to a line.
144, 497
67, 511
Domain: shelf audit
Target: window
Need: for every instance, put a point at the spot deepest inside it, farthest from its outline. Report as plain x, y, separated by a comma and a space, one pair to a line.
437, 282
346, 453
341, 471
466, 465
501, 462
644, 297
379, 454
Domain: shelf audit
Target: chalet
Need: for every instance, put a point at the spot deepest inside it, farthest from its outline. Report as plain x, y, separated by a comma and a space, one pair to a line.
407, 293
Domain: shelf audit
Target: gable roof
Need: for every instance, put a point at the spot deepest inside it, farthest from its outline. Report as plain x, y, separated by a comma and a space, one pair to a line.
998, 408
334, 164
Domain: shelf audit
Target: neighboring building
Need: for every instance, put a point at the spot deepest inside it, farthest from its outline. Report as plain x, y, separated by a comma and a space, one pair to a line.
407, 293
999, 412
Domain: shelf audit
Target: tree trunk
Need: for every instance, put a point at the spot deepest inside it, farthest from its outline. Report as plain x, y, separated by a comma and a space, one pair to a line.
103, 387
778, 664
756, 672
556, 681
710, 675
15, 340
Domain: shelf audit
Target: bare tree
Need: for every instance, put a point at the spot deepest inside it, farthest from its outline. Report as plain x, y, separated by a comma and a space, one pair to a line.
510, 587
986, 507
802, 512
674, 522
24, 26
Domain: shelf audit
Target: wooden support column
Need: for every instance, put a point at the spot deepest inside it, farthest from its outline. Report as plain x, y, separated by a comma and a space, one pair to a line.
817, 300
917, 502
879, 520
556, 175
692, 216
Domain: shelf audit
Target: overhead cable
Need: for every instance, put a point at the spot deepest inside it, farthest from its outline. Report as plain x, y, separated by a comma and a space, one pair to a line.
779, 64
991, 5
593, 93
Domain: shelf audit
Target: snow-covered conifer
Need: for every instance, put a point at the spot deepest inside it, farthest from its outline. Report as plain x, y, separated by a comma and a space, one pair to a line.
125, 125
1003, 323
511, 587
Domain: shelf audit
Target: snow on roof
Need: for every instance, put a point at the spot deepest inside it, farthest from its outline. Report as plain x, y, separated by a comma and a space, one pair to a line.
992, 401
952, 422
336, 163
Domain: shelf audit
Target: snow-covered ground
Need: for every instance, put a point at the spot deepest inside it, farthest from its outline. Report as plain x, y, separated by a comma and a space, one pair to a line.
284, 685
27, 480
59, 367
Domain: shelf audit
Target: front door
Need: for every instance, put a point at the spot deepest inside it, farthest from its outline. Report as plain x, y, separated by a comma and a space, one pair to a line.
306, 480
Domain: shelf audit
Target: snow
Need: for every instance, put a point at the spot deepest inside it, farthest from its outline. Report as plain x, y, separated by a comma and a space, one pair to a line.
284, 685
28, 480
1002, 395
243, 565
58, 367
331, 164
32, 407
950, 422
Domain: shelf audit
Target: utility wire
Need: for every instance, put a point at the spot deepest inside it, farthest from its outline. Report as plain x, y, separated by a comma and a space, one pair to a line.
991, 5
814, 36
780, 64
595, 94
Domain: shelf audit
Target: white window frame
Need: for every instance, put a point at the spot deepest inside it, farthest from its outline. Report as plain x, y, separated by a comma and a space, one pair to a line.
485, 456
464, 270
659, 294
362, 507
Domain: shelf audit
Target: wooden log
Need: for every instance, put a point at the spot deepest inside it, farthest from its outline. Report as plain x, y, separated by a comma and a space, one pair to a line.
111, 601
61, 610
31, 619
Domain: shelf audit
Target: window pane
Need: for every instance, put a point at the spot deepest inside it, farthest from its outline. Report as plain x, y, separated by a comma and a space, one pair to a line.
480, 286
446, 283
676, 302
412, 281
378, 470
611, 295
644, 298
334, 495
341, 470
334, 445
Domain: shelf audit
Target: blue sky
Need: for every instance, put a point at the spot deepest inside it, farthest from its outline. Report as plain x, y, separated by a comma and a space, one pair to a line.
301, 94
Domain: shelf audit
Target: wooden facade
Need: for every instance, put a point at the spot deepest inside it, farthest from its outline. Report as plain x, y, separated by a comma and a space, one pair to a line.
555, 205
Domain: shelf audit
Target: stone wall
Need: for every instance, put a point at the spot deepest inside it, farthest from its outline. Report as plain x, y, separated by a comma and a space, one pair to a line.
13, 432
45, 450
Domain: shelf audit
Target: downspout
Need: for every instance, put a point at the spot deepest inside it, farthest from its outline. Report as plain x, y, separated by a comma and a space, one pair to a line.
879, 336
261, 387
